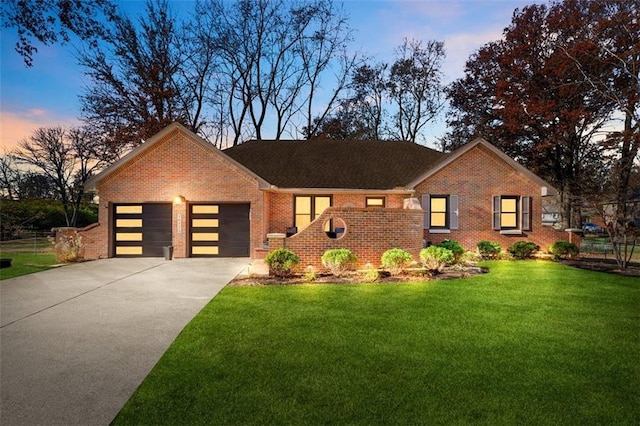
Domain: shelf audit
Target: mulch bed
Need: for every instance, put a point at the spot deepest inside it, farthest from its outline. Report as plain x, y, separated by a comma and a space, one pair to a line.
604, 265
357, 278
600, 265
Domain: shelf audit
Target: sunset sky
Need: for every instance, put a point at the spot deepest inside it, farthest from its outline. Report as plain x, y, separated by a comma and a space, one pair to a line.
47, 94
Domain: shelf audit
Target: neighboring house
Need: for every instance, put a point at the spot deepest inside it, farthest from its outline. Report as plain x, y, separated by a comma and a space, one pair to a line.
178, 190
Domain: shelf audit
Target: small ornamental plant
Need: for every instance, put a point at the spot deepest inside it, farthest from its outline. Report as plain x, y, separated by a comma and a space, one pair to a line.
310, 274
338, 261
489, 249
563, 250
281, 262
523, 249
396, 260
435, 258
455, 248
371, 274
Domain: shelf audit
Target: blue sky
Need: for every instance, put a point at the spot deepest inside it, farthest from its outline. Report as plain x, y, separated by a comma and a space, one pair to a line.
47, 94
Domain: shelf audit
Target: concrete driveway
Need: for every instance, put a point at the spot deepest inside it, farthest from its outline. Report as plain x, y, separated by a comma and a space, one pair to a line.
76, 342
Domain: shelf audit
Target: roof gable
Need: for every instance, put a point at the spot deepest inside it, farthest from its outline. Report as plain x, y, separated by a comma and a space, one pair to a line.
332, 164
453, 156
92, 183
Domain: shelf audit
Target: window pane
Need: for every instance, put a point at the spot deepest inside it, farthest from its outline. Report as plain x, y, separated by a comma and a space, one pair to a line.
508, 220
438, 219
204, 223
438, 204
129, 209
375, 202
509, 205
303, 205
321, 204
302, 221
205, 209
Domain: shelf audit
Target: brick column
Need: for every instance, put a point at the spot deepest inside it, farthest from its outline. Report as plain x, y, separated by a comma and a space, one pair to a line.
276, 241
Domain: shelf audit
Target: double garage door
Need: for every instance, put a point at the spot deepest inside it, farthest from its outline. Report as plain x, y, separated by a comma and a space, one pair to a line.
213, 230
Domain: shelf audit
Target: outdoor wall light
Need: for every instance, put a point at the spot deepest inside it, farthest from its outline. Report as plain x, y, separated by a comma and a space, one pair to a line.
179, 199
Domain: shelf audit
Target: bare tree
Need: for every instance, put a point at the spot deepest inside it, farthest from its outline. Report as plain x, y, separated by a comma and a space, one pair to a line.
415, 86
9, 177
67, 157
272, 57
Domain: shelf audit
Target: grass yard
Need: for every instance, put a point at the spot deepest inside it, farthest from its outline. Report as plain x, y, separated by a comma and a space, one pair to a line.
528, 343
26, 263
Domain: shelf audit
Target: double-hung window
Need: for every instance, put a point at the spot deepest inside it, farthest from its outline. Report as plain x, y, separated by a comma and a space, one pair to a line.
511, 213
440, 212
308, 207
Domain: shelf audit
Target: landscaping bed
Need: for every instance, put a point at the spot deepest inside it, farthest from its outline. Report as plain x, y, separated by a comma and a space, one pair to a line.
359, 277
603, 265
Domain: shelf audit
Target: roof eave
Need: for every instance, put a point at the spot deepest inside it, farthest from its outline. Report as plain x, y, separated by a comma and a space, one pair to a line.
401, 191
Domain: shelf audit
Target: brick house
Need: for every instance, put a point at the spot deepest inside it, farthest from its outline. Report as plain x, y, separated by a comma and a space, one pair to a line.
178, 190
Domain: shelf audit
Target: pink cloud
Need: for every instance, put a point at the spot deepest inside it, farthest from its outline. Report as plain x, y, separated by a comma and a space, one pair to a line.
16, 125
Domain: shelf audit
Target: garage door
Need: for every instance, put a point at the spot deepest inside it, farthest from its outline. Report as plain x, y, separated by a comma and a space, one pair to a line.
142, 229
219, 230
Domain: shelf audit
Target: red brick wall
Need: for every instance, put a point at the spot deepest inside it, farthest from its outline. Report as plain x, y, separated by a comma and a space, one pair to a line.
94, 240
369, 232
174, 166
476, 177
281, 206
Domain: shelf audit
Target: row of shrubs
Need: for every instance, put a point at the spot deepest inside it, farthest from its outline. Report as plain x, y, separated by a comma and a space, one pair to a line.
434, 258
526, 250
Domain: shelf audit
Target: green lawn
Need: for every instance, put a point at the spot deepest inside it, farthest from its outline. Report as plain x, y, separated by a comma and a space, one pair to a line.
26, 263
528, 343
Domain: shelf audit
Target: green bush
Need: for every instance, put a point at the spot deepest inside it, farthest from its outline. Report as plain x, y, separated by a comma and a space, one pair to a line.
310, 274
396, 260
435, 258
563, 249
281, 262
523, 249
489, 249
469, 258
455, 248
338, 260
371, 274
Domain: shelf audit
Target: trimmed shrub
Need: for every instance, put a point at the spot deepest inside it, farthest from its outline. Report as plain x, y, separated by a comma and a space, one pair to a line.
310, 274
281, 262
338, 260
371, 274
470, 258
523, 249
435, 258
489, 249
563, 249
454, 247
396, 260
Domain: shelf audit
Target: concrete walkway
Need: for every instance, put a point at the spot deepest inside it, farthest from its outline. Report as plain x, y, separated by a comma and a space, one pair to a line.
76, 342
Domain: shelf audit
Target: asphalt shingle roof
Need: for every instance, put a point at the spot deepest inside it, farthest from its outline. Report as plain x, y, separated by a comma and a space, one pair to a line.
335, 164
